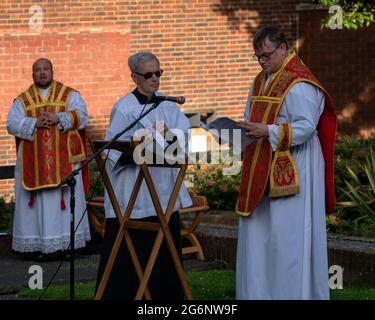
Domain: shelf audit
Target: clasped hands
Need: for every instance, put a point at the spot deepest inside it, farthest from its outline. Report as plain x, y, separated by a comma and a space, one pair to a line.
255, 129
47, 120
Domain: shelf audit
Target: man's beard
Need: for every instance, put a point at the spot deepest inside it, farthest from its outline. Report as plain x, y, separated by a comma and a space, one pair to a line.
44, 86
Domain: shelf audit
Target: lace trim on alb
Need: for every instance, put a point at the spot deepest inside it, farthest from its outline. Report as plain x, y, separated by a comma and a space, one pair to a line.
27, 128
49, 245
65, 121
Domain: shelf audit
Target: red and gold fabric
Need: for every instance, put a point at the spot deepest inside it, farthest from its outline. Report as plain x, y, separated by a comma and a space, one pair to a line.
51, 155
76, 121
284, 175
264, 108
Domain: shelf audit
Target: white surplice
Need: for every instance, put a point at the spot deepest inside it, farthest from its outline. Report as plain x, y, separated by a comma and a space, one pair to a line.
124, 112
282, 245
45, 226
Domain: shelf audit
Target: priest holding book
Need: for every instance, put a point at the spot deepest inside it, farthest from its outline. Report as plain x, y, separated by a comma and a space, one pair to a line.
286, 185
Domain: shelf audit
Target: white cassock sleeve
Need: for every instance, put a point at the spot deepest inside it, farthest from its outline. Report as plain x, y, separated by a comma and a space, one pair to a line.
18, 124
118, 121
23, 127
301, 108
75, 103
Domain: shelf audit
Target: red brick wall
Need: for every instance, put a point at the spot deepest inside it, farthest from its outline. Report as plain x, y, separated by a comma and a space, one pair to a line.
91, 61
344, 63
204, 47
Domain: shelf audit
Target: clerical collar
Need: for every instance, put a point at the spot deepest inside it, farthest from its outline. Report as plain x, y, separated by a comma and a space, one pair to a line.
142, 99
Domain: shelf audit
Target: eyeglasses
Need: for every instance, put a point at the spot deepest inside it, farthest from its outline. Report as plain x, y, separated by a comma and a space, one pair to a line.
149, 75
265, 56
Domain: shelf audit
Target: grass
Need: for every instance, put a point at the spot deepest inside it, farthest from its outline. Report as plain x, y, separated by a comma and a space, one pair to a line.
204, 285
354, 293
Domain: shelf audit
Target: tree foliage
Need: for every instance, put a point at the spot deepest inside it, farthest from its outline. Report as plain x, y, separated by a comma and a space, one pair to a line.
355, 14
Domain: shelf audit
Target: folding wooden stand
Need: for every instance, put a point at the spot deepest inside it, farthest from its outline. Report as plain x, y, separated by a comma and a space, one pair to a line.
191, 245
125, 223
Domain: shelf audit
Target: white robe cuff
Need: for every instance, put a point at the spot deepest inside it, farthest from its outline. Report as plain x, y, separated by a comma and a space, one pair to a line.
65, 121
273, 138
27, 128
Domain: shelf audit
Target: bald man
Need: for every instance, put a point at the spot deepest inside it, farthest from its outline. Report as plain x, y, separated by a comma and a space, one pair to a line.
48, 121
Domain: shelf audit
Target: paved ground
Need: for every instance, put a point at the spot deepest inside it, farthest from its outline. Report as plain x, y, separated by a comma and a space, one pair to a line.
15, 275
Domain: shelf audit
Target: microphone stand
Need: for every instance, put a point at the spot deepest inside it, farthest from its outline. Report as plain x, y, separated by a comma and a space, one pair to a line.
71, 182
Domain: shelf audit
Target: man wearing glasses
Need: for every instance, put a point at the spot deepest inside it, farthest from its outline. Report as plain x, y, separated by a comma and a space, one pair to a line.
287, 178
123, 281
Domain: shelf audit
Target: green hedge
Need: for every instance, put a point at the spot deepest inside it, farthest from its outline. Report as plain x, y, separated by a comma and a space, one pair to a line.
350, 153
221, 190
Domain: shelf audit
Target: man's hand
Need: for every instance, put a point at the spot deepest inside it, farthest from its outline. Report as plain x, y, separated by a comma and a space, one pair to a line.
254, 129
47, 120
51, 118
40, 123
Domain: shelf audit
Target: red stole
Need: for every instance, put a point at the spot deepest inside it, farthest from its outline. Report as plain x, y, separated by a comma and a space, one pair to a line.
264, 108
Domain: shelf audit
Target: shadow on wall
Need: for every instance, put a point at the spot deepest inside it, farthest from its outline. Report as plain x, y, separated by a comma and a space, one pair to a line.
341, 59
358, 115
253, 14
343, 62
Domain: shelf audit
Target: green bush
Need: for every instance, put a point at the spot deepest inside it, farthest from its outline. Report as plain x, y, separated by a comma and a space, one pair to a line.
350, 155
221, 190
6, 214
350, 152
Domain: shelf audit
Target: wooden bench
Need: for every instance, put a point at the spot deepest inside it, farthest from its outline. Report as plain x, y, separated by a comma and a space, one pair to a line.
187, 232
199, 207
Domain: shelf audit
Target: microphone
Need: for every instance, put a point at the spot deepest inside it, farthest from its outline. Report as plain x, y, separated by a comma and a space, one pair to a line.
179, 100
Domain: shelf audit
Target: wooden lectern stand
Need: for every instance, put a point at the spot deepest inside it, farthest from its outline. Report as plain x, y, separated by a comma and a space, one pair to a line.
161, 228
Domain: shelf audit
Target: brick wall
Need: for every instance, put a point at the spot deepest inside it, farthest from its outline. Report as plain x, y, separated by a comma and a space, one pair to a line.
204, 47
344, 63
91, 61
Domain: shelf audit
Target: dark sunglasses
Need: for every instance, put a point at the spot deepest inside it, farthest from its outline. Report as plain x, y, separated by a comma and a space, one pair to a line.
149, 75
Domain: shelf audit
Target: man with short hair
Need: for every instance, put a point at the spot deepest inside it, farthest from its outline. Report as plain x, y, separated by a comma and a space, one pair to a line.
123, 281
48, 121
287, 178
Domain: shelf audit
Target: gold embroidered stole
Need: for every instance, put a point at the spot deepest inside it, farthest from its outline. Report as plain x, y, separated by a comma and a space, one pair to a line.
50, 156
284, 175
264, 108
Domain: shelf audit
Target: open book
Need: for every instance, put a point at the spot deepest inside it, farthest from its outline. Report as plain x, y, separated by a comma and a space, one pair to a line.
236, 139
